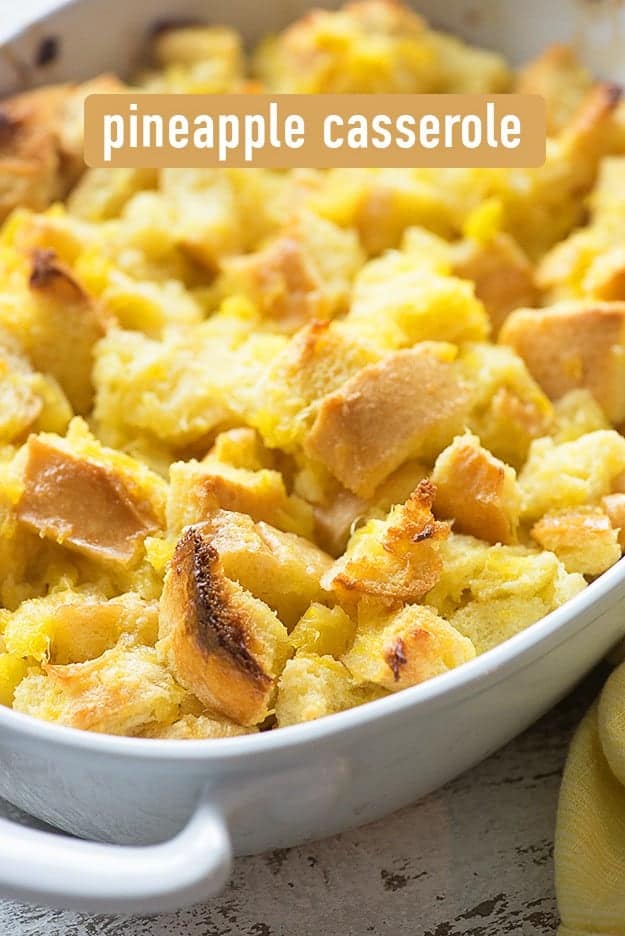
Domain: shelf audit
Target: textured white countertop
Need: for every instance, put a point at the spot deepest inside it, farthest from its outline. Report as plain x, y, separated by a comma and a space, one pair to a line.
474, 859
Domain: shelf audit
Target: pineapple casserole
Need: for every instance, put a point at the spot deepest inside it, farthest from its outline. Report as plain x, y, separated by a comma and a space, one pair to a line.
278, 443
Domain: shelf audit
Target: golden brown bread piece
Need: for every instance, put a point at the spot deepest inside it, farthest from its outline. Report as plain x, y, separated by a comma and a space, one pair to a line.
408, 403
282, 569
614, 507
572, 345
41, 143
477, 491
395, 560
125, 691
62, 307
502, 274
220, 642
583, 538
406, 648
82, 504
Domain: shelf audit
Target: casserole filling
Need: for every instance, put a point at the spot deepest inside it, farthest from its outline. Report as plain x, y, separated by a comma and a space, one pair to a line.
277, 443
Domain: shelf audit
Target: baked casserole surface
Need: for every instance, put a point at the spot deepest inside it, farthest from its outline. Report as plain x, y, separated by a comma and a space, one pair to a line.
277, 443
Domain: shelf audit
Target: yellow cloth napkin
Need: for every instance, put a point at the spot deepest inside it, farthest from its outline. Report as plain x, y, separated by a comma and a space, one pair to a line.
590, 828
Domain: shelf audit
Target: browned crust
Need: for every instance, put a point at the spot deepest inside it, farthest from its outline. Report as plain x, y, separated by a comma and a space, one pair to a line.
207, 628
47, 272
220, 628
395, 657
412, 541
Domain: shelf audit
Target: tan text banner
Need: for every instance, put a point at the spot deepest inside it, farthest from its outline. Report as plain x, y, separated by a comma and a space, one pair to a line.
283, 131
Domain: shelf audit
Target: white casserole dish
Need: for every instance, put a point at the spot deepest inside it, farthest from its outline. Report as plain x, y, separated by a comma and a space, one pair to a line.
248, 794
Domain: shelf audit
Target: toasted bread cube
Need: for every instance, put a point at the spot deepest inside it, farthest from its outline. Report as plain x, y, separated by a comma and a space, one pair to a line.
302, 275
406, 648
614, 507
410, 404
221, 643
313, 686
560, 78
574, 345
31, 174
514, 589
502, 274
317, 360
199, 728
199, 489
323, 631
126, 691
335, 519
477, 491
393, 560
241, 448
72, 626
583, 539
20, 403
77, 493
570, 474
61, 306
508, 408
12, 670
282, 569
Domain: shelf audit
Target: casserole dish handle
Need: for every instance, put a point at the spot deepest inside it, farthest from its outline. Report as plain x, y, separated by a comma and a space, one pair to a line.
55, 870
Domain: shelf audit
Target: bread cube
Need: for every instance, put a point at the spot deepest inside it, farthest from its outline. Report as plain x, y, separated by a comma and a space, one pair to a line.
61, 306
312, 686
96, 501
406, 648
501, 273
125, 691
73, 626
477, 491
514, 589
199, 489
318, 360
282, 569
220, 642
304, 274
198, 727
415, 400
336, 517
583, 538
573, 345
393, 560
